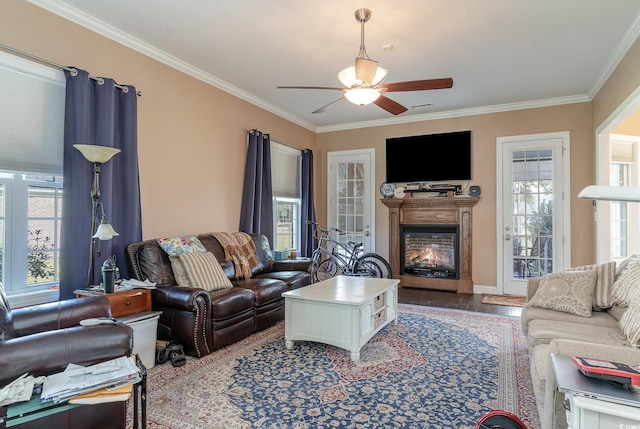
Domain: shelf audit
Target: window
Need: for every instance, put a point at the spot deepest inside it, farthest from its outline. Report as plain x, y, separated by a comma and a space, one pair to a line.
285, 174
31, 143
32, 223
619, 212
287, 223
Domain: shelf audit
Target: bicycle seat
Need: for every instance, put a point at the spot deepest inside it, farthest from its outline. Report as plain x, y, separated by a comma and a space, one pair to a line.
354, 244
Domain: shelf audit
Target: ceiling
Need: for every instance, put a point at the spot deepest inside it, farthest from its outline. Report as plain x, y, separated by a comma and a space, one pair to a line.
501, 54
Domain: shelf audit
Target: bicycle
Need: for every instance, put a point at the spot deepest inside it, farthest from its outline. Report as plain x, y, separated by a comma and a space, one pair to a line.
332, 258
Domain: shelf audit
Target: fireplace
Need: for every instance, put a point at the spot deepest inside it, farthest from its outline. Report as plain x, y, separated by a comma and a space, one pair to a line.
452, 218
429, 251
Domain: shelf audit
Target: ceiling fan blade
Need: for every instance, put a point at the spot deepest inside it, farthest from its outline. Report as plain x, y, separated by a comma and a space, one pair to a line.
418, 85
389, 105
323, 108
312, 87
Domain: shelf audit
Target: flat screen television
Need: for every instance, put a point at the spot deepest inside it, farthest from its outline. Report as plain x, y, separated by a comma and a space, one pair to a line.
429, 158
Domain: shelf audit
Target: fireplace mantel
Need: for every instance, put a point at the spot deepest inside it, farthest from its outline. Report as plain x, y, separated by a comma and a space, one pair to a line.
432, 210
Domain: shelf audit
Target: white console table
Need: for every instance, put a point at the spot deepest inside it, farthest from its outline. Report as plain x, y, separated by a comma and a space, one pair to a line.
589, 413
342, 311
599, 405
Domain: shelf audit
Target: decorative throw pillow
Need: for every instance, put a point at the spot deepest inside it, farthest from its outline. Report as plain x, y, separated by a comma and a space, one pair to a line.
204, 271
628, 281
178, 272
622, 266
606, 272
567, 291
630, 321
175, 246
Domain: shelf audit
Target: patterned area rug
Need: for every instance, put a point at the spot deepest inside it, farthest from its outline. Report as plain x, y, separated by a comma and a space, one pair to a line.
512, 301
438, 368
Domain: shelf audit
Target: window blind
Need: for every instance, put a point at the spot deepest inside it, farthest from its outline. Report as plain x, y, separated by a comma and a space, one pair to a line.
31, 116
285, 171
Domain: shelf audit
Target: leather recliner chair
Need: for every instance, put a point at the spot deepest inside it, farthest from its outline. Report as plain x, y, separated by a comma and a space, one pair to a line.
44, 339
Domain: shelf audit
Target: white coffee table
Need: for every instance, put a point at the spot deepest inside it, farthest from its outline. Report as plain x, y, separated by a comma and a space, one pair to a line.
342, 311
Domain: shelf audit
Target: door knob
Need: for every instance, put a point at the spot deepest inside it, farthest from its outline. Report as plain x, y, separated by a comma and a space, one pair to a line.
507, 237
367, 233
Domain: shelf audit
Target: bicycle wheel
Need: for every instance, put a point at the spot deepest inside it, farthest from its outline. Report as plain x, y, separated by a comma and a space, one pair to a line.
372, 265
327, 269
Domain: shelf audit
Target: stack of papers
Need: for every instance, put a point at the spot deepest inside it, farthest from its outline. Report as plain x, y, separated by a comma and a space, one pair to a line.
19, 390
137, 284
102, 396
76, 380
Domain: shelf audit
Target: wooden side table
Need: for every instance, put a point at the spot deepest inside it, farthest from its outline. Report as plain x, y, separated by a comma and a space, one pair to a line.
123, 302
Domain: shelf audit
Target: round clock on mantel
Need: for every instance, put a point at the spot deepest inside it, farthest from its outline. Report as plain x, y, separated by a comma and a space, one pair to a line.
386, 189
399, 192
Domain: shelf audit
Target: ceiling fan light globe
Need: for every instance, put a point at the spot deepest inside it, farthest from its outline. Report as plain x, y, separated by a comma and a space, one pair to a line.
380, 75
366, 70
362, 96
348, 77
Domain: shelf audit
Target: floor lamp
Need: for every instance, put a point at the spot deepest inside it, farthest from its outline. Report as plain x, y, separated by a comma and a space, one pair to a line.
611, 193
97, 155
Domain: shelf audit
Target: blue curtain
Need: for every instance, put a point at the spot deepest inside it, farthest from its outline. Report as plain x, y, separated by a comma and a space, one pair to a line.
256, 213
308, 240
99, 114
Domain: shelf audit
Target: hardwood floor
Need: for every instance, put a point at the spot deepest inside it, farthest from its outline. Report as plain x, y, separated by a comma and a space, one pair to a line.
461, 301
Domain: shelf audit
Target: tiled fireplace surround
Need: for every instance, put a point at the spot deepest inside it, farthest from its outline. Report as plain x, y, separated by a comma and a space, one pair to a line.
432, 211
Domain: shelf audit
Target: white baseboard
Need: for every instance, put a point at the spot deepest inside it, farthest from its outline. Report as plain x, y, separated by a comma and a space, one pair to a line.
480, 289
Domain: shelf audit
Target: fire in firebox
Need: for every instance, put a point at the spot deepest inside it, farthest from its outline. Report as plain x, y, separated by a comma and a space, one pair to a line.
429, 253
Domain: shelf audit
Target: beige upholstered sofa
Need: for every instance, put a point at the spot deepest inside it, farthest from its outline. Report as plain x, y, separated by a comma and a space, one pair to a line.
599, 336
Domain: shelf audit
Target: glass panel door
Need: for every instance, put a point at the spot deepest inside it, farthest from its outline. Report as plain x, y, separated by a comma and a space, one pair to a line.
532, 200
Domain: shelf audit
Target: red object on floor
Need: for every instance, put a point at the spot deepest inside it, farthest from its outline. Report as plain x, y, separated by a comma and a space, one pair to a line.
499, 419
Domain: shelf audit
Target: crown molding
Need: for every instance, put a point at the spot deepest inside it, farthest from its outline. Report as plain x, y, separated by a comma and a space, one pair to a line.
110, 32
107, 30
458, 113
616, 57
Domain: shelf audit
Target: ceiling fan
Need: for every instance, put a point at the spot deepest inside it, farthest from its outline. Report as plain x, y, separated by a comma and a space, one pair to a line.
363, 80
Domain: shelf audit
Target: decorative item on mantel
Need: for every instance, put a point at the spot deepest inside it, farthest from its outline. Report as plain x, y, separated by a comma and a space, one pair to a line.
97, 155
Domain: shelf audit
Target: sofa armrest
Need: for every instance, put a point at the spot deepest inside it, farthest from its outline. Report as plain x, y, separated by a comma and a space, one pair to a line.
58, 315
50, 352
293, 265
180, 298
554, 413
532, 287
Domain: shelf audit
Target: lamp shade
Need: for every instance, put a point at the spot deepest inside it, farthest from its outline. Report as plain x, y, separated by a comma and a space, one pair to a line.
95, 153
105, 231
362, 96
611, 193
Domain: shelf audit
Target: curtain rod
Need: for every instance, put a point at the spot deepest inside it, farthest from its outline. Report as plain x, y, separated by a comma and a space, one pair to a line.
71, 70
279, 142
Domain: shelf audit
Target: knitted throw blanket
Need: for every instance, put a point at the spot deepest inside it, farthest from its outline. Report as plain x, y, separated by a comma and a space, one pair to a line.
240, 249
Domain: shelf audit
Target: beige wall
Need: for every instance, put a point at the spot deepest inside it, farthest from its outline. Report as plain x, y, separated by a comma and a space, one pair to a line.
630, 126
621, 84
575, 118
191, 136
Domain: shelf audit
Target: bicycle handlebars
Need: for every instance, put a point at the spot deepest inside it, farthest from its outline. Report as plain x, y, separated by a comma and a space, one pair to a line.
325, 230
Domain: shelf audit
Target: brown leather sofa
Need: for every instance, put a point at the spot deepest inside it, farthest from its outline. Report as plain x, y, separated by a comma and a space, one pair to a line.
44, 339
203, 321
